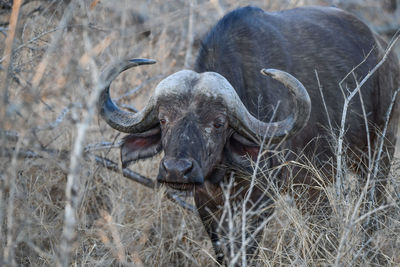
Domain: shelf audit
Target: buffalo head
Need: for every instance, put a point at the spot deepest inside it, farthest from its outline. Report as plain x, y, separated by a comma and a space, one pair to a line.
199, 121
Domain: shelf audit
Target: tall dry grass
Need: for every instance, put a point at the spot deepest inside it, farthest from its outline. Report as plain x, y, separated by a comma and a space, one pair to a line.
50, 62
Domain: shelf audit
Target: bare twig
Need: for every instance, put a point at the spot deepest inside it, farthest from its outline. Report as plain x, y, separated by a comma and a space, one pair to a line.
10, 136
347, 99
4, 32
389, 29
379, 146
190, 36
8, 253
32, 40
142, 180
218, 6
125, 171
128, 107
137, 88
12, 174
352, 220
323, 101
97, 49
72, 193
246, 200
40, 69
7, 54
59, 119
366, 215
101, 146
366, 124
383, 136
102, 161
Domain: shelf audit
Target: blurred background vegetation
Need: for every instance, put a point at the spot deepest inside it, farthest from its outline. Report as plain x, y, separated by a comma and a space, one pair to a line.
47, 74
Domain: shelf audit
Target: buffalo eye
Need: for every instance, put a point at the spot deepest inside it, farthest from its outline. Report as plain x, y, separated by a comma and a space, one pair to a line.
218, 123
163, 121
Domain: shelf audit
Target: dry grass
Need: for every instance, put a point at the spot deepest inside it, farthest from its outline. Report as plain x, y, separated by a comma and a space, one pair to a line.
58, 52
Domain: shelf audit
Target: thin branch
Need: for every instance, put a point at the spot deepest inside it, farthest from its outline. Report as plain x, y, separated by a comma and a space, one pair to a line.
59, 119
7, 55
33, 40
350, 224
41, 67
323, 101
4, 32
8, 252
137, 88
383, 136
102, 145
72, 192
248, 195
102, 161
126, 172
128, 107
10, 136
218, 6
190, 35
362, 217
12, 175
389, 29
366, 125
347, 99
353, 221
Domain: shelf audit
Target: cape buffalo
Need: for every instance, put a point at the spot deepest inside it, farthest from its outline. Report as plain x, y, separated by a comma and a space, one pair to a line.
212, 120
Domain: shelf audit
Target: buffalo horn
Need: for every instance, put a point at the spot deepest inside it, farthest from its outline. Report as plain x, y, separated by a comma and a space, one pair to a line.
117, 118
252, 128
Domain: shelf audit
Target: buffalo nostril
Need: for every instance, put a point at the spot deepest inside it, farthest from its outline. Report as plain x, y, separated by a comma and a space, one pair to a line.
186, 165
182, 166
164, 165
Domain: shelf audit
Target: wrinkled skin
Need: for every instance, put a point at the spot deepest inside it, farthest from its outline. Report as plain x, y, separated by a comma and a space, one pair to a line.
197, 130
191, 131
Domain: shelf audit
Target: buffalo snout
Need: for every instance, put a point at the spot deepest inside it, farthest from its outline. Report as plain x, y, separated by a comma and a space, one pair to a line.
180, 173
177, 167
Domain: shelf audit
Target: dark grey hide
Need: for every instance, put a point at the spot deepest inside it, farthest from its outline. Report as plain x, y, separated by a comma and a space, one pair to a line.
201, 141
301, 41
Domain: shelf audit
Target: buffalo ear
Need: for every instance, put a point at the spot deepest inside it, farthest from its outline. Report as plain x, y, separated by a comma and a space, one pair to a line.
140, 146
239, 148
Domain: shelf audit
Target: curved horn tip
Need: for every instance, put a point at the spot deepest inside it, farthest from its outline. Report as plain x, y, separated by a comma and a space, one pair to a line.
142, 61
269, 72
122, 120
